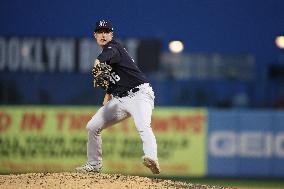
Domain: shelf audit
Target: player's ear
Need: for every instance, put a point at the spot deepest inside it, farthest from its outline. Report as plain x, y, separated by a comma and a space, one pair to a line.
95, 35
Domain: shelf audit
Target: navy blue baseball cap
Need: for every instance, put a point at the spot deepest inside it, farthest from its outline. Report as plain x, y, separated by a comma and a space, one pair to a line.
103, 24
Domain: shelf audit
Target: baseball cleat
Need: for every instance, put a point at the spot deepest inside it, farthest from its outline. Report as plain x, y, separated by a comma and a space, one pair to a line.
153, 165
87, 168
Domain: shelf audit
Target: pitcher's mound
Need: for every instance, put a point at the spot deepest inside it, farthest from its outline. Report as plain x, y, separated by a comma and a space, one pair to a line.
91, 180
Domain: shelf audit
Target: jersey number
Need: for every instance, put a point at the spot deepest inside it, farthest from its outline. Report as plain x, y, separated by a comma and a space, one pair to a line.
114, 78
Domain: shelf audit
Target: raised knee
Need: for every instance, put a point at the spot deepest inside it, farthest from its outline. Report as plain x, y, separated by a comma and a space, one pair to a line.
90, 126
93, 127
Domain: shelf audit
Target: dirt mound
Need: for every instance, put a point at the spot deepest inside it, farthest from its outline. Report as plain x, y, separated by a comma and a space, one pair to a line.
91, 180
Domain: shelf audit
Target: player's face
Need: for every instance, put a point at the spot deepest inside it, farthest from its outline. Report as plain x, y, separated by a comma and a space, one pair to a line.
103, 36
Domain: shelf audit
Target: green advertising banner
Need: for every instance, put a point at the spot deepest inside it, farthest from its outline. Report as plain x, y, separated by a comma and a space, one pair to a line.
53, 139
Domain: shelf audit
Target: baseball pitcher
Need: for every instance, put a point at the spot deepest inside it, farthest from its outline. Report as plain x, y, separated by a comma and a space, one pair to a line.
128, 93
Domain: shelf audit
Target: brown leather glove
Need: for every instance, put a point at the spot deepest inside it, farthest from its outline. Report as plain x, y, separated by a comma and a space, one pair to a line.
101, 73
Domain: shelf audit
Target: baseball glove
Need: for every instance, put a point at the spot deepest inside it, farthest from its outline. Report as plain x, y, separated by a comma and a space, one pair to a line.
101, 73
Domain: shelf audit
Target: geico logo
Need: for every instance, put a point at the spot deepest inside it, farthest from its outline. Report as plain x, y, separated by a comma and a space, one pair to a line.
252, 144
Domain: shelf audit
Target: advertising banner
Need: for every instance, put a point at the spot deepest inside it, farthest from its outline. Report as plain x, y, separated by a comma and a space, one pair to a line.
53, 139
246, 143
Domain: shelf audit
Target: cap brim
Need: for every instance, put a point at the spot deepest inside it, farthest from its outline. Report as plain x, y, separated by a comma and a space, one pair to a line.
104, 28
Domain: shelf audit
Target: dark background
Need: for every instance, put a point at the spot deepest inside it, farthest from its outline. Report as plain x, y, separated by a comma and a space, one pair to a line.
233, 27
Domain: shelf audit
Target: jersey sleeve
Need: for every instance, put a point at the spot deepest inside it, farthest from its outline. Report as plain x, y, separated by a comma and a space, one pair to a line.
110, 54
108, 91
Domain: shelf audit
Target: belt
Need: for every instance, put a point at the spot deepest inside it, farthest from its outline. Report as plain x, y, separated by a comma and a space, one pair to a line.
126, 93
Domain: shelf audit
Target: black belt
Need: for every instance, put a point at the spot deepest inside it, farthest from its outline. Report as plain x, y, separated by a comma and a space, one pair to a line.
126, 93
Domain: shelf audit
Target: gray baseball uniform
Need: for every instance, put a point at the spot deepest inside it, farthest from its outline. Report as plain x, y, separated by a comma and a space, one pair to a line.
132, 96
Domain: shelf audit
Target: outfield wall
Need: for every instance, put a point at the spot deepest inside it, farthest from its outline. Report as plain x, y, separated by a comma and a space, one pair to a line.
191, 141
